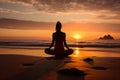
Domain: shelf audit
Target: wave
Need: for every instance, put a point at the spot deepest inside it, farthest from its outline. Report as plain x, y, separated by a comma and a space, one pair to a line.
81, 44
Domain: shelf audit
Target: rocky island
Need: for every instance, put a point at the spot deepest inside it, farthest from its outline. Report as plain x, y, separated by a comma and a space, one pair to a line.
106, 37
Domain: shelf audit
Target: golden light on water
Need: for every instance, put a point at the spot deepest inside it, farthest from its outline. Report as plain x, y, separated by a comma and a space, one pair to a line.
76, 52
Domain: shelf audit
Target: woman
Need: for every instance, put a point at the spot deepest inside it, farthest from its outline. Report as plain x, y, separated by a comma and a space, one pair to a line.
59, 39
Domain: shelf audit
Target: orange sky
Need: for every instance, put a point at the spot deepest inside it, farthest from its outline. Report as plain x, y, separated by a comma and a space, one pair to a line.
46, 34
90, 19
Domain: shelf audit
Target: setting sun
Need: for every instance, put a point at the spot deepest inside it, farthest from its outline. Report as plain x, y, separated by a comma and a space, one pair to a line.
77, 36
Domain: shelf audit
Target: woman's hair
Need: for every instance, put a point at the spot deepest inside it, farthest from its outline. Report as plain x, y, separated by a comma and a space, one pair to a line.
58, 25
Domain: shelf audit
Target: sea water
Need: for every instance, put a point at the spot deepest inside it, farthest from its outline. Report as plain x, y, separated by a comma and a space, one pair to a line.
84, 48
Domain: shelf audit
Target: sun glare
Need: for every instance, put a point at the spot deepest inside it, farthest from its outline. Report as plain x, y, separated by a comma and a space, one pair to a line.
77, 52
77, 36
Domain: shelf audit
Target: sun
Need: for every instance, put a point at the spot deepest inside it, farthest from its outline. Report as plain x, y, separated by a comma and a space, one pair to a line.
77, 36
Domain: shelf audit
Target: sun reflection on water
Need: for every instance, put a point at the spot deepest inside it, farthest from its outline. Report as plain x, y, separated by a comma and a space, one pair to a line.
76, 52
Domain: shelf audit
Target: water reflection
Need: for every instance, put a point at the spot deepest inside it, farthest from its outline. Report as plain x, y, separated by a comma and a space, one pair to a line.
76, 52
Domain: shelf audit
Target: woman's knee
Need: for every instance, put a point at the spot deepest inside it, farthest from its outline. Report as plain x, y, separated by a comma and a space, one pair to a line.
48, 51
69, 51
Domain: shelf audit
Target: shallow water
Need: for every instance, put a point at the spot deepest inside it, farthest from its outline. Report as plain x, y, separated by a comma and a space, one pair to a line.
99, 48
78, 52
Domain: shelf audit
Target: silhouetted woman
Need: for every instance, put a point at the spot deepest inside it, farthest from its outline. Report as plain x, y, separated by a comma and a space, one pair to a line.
59, 40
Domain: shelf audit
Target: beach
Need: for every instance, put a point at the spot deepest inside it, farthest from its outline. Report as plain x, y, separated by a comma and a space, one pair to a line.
59, 39
34, 64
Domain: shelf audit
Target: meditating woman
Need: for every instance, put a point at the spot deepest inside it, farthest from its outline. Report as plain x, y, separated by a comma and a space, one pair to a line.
59, 40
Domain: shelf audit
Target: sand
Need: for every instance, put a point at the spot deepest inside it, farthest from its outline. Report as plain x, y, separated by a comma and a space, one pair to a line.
21, 67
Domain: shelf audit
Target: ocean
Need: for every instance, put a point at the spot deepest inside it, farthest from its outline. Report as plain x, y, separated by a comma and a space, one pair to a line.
83, 48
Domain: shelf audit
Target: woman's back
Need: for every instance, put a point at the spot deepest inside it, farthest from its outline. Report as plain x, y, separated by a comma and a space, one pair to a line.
59, 38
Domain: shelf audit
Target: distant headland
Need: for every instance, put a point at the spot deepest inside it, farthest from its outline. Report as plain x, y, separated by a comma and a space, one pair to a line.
106, 37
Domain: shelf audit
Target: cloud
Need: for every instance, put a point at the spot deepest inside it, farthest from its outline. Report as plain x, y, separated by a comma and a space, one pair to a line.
53, 6
101, 9
5, 10
21, 2
116, 17
104, 7
7, 23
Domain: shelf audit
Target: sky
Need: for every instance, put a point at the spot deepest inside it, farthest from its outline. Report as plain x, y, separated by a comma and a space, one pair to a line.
90, 19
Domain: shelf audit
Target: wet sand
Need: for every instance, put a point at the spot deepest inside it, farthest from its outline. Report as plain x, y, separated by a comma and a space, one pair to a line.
21, 67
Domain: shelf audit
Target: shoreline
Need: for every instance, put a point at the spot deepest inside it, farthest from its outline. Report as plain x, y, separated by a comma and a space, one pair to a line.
80, 46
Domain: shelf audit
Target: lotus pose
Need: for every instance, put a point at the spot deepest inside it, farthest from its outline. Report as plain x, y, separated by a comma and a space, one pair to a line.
59, 40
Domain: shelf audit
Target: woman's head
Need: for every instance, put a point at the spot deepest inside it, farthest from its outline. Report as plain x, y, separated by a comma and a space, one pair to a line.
58, 26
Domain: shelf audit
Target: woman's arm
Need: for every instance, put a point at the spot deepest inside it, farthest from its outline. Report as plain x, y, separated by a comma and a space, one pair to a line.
52, 41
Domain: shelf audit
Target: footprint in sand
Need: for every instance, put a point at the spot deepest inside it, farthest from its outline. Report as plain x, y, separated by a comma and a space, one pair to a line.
99, 68
91, 62
28, 64
71, 74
